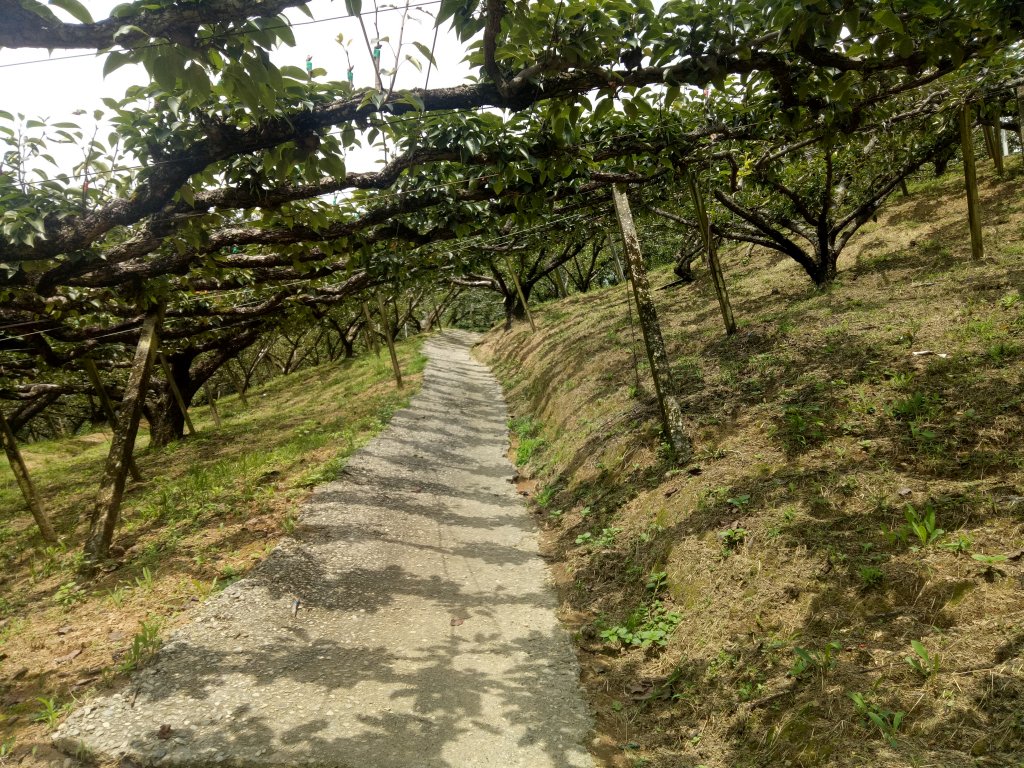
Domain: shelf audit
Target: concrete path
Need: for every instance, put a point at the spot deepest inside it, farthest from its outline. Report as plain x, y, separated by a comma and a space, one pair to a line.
426, 633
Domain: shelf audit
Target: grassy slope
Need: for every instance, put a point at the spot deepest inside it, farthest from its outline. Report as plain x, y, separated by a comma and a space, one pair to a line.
211, 507
816, 426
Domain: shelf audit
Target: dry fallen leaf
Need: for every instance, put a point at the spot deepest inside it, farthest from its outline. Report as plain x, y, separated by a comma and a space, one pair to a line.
457, 622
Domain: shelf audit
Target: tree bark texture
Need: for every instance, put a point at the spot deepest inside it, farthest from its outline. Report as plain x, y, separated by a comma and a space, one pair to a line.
391, 342
971, 181
661, 372
28, 489
108, 410
714, 265
108, 500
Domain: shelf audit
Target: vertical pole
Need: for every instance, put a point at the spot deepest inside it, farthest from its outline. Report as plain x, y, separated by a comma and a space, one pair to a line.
519, 290
108, 409
971, 181
1020, 117
714, 265
372, 339
177, 393
239, 386
108, 498
997, 146
213, 403
903, 188
28, 489
391, 342
629, 313
661, 372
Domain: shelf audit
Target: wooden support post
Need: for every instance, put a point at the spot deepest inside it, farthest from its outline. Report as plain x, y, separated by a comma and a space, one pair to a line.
28, 489
386, 326
370, 333
563, 288
177, 393
997, 147
971, 181
903, 188
108, 498
238, 384
661, 372
1020, 118
519, 291
108, 409
714, 265
213, 403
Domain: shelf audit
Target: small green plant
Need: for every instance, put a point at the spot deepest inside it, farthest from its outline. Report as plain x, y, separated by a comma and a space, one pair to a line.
6, 749
960, 545
650, 624
922, 661
989, 559
526, 431
545, 496
51, 711
888, 723
870, 576
731, 539
739, 502
919, 524
802, 426
68, 594
144, 644
288, 524
916, 405
922, 524
117, 595
603, 540
820, 660
656, 581
145, 582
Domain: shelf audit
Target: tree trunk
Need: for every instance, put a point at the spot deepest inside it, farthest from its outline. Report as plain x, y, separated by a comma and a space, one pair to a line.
391, 343
971, 181
522, 296
108, 499
28, 489
661, 372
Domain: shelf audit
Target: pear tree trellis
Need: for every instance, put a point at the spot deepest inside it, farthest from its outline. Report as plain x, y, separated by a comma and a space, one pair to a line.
201, 223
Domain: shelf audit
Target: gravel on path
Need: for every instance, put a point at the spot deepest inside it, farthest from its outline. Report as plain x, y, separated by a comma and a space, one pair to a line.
425, 633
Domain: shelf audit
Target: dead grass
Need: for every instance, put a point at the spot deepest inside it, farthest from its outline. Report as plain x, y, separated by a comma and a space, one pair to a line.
785, 543
210, 508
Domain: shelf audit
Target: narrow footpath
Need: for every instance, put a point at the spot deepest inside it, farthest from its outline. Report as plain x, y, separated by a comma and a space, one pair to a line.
425, 633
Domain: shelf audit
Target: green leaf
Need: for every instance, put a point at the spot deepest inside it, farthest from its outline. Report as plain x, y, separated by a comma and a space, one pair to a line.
426, 52
354, 7
114, 61
75, 8
888, 19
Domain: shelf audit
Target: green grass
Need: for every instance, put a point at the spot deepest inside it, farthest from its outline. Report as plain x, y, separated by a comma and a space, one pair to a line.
846, 497
210, 507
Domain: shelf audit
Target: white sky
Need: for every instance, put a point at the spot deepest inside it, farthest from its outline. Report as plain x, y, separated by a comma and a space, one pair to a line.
54, 89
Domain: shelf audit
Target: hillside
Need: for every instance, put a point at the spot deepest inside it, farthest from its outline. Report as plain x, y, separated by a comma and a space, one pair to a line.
836, 577
210, 508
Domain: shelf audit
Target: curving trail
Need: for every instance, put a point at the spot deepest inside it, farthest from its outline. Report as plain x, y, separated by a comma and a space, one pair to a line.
426, 633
